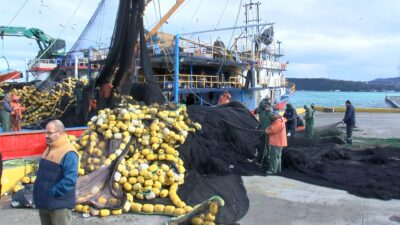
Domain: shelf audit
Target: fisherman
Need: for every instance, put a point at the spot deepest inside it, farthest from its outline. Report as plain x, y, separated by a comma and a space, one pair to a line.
5, 113
224, 98
277, 140
105, 93
290, 114
266, 118
312, 107
54, 188
261, 105
350, 121
309, 118
16, 113
300, 126
78, 94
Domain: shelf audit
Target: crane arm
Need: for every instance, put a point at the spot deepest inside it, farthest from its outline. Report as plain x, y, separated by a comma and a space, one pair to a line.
43, 40
164, 19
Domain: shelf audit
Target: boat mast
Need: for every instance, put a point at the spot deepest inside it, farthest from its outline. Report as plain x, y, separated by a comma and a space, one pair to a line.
252, 35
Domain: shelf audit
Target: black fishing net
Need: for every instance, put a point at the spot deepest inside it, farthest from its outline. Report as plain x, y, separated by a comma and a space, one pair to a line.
218, 155
121, 60
373, 172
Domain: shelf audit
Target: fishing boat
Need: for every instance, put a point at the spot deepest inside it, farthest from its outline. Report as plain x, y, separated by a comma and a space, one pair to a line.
192, 71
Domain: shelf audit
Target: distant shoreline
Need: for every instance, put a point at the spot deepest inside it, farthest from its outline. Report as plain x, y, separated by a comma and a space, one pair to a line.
360, 99
323, 84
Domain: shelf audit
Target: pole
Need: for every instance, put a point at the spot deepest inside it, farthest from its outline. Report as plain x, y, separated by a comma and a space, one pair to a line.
229, 28
191, 74
176, 77
76, 67
89, 65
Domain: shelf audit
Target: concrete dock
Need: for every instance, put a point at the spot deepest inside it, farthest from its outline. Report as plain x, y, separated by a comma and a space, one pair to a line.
276, 200
393, 100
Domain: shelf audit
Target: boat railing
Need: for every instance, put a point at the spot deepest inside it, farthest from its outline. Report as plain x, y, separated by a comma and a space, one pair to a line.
195, 81
203, 49
82, 63
42, 61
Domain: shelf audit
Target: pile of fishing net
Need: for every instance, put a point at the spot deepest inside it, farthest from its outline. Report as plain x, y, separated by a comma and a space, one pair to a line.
156, 160
373, 172
46, 105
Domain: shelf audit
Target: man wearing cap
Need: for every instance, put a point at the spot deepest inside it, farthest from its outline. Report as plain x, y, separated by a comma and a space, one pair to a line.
277, 140
290, 114
350, 121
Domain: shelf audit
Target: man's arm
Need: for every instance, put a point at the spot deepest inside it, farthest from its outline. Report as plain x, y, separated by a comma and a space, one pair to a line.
349, 111
69, 165
7, 106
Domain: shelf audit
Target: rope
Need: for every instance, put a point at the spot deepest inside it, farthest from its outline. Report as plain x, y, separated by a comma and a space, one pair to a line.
233, 32
64, 27
236, 21
19, 10
223, 12
194, 14
101, 24
155, 10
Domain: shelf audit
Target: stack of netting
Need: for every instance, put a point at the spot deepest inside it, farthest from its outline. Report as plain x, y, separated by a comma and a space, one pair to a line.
45, 105
129, 161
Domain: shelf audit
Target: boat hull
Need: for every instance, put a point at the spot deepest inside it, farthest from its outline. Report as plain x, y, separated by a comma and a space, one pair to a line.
22, 144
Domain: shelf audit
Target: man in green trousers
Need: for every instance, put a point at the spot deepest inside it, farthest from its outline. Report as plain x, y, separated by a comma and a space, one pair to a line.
277, 140
309, 118
5, 113
266, 119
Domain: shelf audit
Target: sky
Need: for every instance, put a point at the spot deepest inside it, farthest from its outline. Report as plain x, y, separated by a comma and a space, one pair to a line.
337, 39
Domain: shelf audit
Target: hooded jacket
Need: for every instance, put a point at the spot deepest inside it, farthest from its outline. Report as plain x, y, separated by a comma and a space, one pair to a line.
277, 133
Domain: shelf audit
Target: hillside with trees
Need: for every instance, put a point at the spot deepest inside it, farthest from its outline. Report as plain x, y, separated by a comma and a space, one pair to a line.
323, 84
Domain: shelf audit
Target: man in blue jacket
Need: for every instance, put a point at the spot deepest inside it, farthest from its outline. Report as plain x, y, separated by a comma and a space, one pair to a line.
350, 121
291, 124
54, 188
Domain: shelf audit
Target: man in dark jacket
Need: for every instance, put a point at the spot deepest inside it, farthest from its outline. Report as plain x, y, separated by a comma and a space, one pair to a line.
5, 113
290, 114
54, 188
350, 121
266, 118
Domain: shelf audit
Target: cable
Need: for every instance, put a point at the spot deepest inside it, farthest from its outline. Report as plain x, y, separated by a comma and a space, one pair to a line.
15, 16
236, 21
64, 27
194, 14
155, 10
233, 32
101, 24
223, 12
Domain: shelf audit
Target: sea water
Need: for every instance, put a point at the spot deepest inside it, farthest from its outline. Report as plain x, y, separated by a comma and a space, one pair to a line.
335, 99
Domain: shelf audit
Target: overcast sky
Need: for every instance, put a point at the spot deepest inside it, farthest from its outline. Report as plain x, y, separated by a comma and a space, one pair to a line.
338, 39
